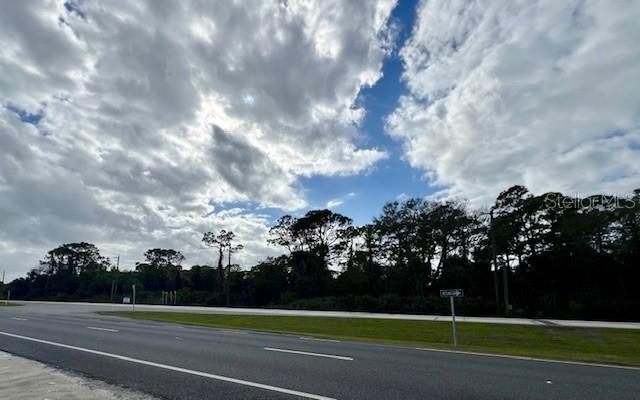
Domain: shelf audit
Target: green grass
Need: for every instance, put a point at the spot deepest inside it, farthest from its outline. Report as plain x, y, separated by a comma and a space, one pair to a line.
5, 304
602, 345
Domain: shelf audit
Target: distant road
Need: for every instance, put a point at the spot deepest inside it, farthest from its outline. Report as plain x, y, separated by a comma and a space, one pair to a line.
74, 307
186, 362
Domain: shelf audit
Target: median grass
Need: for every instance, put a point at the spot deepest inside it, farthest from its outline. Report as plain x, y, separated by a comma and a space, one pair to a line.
599, 345
5, 304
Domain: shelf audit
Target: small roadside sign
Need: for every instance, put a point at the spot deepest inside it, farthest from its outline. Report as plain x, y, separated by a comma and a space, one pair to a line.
451, 293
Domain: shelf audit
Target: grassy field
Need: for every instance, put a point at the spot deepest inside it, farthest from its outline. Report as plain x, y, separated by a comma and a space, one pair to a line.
612, 346
5, 304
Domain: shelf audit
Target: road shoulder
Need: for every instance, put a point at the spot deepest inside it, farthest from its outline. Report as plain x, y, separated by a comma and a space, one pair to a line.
23, 379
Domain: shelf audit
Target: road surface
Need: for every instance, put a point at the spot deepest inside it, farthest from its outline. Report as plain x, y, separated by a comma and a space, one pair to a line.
181, 362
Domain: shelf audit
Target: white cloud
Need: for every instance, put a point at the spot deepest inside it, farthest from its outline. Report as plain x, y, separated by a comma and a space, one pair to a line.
540, 93
333, 203
402, 197
153, 110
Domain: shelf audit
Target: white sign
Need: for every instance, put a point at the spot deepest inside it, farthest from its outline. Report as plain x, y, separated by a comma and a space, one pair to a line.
126, 300
451, 293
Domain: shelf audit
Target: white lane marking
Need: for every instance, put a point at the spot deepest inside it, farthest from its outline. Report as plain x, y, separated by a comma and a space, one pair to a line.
102, 329
20, 319
232, 331
179, 338
319, 339
306, 353
172, 368
474, 353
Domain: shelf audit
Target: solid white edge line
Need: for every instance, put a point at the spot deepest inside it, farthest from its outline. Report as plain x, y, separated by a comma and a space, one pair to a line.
525, 358
306, 353
102, 329
20, 319
172, 368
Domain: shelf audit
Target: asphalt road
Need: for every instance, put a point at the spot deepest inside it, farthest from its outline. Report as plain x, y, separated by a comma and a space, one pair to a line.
182, 362
61, 308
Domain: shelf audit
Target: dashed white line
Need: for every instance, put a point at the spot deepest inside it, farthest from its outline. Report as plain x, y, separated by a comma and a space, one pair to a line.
176, 369
306, 353
318, 339
102, 329
20, 319
233, 331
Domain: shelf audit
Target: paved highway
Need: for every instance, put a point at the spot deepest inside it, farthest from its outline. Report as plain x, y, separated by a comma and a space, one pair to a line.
182, 362
59, 307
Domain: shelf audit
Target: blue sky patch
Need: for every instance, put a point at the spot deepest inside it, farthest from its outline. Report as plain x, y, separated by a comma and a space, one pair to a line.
389, 178
24, 115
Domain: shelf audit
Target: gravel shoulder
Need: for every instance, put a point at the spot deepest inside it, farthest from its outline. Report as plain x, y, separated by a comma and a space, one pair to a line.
23, 379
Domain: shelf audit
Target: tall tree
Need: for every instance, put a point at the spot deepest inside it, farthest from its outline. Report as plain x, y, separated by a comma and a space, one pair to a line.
230, 237
162, 269
314, 241
222, 243
321, 232
63, 265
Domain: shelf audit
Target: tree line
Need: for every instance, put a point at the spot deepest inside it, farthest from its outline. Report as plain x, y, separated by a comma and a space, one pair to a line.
548, 255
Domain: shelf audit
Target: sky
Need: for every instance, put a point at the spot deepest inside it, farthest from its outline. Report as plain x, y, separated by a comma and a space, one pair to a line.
144, 124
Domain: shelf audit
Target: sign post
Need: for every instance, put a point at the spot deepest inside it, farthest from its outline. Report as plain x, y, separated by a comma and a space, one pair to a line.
134, 297
452, 294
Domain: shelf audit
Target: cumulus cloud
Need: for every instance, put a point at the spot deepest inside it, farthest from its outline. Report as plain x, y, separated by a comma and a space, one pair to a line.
542, 93
121, 123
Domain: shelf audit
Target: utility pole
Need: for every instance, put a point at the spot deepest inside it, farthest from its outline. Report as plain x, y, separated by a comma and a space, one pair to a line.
226, 281
114, 282
495, 260
134, 298
115, 289
8, 291
505, 281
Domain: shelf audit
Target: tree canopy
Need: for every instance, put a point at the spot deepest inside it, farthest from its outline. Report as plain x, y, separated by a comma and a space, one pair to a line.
547, 255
